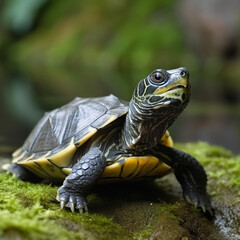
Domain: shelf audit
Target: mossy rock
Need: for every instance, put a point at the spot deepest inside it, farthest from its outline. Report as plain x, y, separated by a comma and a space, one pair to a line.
153, 210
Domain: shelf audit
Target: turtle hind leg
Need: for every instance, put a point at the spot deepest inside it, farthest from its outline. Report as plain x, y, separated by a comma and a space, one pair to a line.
22, 173
84, 174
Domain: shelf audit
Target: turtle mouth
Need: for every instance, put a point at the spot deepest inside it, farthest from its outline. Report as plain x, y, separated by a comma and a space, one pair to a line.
177, 87
183, 86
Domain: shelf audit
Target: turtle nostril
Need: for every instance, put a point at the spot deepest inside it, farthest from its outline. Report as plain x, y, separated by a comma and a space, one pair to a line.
184, 73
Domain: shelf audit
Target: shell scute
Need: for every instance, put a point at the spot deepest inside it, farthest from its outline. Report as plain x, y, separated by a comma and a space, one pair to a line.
59, 133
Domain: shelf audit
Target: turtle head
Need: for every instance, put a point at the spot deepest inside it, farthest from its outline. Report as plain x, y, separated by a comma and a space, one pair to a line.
163, 88
156, 103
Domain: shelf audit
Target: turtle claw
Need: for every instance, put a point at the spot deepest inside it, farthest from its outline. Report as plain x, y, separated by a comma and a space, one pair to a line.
71, 205
82, 208
72, 200
200, 200
195, 203
62, 204
203, 209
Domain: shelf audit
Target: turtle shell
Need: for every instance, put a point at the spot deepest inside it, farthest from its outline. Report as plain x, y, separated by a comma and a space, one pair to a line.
50, 147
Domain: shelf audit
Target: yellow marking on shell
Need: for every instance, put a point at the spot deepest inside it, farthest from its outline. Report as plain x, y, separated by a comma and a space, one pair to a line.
47, 154
92, 131
29, 158
67, 171
141, 162
19, 157
166, 140
16, 152
129, 167
136, 167
64, 157
112, 170
152, 162
44, 169
51, 168
33, 167
160, 170
111, 119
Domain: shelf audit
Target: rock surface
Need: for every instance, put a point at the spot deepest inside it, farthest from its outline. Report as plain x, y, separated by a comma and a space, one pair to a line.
142, 210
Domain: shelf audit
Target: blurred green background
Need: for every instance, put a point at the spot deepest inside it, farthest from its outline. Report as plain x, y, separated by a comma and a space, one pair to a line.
52, 51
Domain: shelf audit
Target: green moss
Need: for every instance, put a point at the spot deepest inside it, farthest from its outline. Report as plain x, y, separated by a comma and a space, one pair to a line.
26, 193
33, 223
30, 210
144, 234
169, 210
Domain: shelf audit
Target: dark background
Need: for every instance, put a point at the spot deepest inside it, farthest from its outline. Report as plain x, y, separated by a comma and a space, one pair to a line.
52, 51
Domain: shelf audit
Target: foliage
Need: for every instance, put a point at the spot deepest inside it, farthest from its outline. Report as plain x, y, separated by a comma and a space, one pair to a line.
73, 38
19, 16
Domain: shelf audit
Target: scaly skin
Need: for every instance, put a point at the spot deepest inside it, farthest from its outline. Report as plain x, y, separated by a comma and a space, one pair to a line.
77, 184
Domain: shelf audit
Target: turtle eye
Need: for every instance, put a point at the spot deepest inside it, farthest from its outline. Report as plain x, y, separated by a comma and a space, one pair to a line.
157, 77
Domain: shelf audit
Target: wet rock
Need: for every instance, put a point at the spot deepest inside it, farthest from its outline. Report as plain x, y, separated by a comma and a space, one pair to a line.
167, 229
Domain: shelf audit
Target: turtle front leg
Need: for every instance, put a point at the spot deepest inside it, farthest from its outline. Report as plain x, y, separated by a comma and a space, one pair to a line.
85, 173
190, 174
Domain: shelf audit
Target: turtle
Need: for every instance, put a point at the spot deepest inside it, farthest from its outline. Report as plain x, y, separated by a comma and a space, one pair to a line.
102, 139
